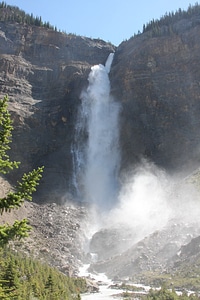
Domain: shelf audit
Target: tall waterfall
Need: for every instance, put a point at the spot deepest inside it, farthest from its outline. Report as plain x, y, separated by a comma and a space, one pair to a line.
96, 152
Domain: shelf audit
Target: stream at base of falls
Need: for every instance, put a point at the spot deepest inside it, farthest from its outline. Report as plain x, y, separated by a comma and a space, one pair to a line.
103, 282
106, 292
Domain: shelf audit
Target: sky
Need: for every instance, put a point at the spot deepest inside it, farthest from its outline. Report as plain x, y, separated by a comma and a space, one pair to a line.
111, 20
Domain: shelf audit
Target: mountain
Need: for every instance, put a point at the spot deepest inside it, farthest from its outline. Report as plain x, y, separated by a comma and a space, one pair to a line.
155, 75
155, 79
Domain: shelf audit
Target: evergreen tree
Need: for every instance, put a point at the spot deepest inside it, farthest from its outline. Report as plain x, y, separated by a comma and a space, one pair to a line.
50, 289
10, 280
23, 190
23, 277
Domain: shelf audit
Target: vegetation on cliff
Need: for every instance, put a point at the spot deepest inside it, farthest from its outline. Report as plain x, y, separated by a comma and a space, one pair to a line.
164, 26
11, 14
158, 27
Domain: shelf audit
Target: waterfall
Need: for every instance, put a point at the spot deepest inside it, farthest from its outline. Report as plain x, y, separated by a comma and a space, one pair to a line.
96, 151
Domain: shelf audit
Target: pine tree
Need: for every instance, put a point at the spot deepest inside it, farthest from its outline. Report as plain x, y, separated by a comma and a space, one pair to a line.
24, 188
51, 289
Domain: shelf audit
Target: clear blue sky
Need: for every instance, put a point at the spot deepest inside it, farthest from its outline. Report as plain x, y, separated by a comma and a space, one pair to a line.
110, 20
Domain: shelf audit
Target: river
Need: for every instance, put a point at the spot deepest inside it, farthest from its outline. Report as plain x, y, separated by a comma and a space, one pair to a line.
102, 280
104, 283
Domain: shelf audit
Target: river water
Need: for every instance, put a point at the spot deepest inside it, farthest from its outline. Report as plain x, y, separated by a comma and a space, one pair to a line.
105, 293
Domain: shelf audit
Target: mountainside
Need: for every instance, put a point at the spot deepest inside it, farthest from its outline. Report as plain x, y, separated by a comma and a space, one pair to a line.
156, 77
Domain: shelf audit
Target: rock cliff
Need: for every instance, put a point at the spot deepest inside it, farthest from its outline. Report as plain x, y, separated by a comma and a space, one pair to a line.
156, 77
44, 72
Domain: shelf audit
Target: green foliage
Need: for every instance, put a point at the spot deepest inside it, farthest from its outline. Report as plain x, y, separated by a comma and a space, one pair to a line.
18, 230
164, 26
10, 279
187, 276
21, 277
10, 13
24, 278
165, 294
5, 138
23, 190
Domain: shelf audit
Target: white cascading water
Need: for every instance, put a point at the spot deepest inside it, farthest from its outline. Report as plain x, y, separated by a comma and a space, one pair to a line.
144, 203
96, 160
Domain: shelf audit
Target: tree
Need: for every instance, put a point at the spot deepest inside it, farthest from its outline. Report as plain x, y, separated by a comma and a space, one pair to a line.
51, 290
162, 294
10, 280
23, 190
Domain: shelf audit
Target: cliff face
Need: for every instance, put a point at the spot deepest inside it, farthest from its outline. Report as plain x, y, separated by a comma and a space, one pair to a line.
157, 80
44, 72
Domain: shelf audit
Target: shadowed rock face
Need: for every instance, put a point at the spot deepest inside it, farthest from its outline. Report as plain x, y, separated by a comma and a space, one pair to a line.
44, 72
157, 80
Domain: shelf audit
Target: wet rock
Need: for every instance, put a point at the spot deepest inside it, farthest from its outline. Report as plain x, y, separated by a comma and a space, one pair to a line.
92, 286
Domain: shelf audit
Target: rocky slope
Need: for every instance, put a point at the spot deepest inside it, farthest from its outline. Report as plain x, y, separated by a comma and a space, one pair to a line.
168, 254
58, 235
158, 252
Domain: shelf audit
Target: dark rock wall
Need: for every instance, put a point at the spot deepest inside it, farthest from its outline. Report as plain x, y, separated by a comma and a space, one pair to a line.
44, 72
157, 80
